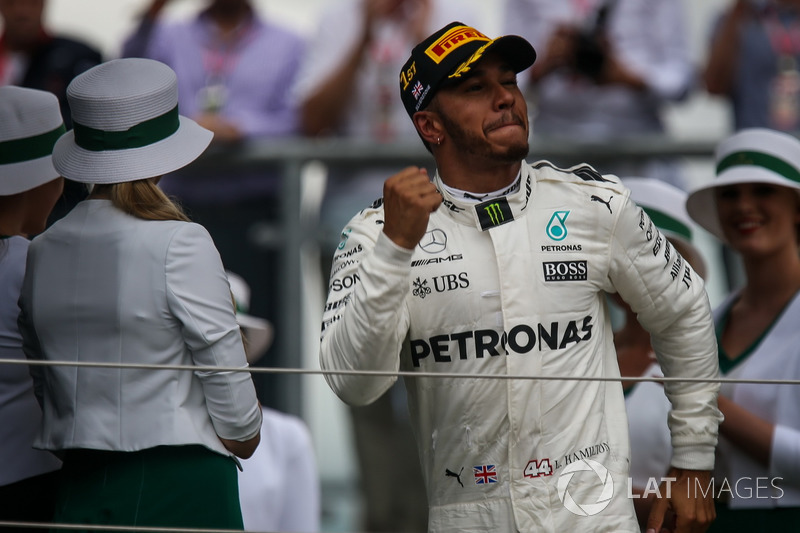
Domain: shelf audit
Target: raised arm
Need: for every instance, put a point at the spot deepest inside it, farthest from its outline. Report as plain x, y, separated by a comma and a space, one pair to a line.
365, 321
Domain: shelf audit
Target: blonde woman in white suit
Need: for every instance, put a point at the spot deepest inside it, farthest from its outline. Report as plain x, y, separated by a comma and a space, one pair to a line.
126, 278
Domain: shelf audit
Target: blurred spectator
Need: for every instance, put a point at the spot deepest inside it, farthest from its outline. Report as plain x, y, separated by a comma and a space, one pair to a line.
645, 402
606, 69
235, 72
753, 206
753, 62
30, 124
30, 56
348, 88
279, 486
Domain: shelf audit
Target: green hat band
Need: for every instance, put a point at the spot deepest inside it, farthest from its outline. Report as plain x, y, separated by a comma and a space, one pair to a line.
143, 134
669, 223
759, 159
29, 148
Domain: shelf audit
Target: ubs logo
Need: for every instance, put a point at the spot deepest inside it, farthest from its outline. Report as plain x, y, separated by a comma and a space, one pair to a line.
450, 282
565, 270
445, 283
434, 241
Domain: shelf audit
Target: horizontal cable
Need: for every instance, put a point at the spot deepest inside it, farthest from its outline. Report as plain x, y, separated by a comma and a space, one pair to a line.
385, 373
93, 527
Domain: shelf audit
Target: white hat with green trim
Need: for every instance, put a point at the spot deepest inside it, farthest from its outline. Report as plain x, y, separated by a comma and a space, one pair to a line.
126, 124
30, 125
754, 155
665, 204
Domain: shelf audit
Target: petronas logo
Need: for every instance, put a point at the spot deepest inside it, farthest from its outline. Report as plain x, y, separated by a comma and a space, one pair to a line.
557, 227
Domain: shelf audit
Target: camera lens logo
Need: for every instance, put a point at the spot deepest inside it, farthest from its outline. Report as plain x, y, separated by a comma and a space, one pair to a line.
604, 479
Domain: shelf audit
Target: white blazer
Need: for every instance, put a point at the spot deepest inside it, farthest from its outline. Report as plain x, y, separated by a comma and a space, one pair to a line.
103, 286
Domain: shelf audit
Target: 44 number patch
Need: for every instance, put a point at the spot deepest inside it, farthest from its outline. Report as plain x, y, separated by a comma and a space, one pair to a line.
536, 468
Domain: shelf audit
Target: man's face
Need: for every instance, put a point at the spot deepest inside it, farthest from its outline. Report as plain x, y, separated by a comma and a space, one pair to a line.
22, 19
485, 115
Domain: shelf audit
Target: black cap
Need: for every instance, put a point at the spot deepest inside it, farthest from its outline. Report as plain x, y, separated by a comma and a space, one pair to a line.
449, 53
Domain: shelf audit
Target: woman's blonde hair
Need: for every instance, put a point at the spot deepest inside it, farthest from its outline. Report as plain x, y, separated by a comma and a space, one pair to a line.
142, 199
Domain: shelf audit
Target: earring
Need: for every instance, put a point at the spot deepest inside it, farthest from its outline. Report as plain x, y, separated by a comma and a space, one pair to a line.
438, 140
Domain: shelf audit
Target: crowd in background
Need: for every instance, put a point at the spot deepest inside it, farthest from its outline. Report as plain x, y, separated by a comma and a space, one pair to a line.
605, 70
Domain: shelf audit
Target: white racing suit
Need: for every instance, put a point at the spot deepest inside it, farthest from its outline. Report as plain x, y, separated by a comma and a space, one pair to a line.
515, 287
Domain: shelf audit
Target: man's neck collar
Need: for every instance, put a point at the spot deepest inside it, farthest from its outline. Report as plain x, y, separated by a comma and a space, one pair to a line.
478, 181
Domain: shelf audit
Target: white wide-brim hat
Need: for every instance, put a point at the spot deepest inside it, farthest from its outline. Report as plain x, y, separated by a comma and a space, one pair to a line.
30, 125
126, 124
258, 331
754, 155
665, 204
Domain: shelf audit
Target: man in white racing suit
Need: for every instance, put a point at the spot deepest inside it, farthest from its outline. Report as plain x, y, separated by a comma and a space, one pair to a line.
496, 271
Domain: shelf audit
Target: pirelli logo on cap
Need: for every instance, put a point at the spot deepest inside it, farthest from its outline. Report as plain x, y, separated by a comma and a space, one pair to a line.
458, 36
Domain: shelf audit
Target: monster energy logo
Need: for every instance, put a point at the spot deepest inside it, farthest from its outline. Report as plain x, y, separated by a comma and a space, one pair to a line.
557, 227
494, 213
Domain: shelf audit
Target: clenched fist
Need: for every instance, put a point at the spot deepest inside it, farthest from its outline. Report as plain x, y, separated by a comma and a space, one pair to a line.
409, 198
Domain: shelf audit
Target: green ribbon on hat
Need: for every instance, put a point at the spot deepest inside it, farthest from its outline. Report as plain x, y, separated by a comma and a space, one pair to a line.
669, 223
29, 148
142, 134
760, 159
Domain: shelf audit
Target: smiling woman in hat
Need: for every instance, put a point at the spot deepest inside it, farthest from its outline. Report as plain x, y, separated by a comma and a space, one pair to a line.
124, 278
753, 206
30, 124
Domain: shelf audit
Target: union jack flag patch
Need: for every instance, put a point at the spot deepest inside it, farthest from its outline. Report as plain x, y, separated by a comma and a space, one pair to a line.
417, 90
484, 474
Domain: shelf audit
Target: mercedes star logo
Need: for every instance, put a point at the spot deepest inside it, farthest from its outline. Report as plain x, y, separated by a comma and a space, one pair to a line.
434, 241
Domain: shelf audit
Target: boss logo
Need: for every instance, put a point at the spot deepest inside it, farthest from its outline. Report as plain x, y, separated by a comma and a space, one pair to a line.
565, 270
